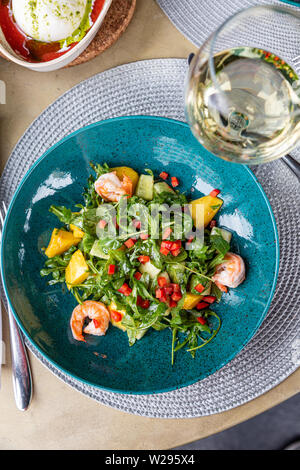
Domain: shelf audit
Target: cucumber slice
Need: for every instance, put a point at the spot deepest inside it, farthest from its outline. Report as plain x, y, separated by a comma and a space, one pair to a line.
150, 269
224, 233
97, 250
176, 272
141, 333
162, 187
145, 187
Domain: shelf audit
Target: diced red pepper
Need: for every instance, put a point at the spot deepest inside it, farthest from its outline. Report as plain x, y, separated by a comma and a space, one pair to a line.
201, 305
175, 287
209, 298
164, 175
214, 192
125, 289
167, 233
176, 245
201, 320
162, 281
213, 223
116, 316
159, 293
199, 288
102, 223
111, 269
144, 236
174, 181
137, 275
191, 239
96, 323
176, 296
176, 252
168, 290
144, 303
137, 223
164, 251
167, 244
172, 303
144, 259
130, 242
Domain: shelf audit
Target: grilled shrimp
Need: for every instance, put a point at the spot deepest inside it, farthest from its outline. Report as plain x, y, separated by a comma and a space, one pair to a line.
111, 188
231, 272
96, 312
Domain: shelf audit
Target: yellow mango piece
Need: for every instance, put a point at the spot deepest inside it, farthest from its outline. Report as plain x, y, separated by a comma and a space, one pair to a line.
60, 241
209, 206
77, 270
77, 232
191, 300
118, 324
129, 172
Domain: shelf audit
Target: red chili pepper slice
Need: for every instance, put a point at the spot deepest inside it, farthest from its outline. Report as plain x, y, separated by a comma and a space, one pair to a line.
168, 290
214, 192
162, 281
209, 298
176, 296
176, 252
201, 320
201, 305
130, 242
164, 251
125, 289
116, 316
174, 181
199, 288
144, 259
164, 175
166, 244
111, 269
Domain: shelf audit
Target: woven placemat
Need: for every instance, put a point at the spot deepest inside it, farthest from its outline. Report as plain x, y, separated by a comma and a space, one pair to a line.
197, 19
155, 87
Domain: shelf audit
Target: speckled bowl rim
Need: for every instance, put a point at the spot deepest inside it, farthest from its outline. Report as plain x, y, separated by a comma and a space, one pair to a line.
46, 356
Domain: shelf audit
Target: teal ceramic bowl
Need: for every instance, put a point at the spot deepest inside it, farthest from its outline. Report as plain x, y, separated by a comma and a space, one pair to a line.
43, 311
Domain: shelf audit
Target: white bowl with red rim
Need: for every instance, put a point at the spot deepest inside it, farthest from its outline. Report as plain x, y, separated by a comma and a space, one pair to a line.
61, 61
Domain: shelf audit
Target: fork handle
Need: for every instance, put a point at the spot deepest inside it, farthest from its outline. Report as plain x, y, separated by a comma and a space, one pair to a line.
22, 381
292, 164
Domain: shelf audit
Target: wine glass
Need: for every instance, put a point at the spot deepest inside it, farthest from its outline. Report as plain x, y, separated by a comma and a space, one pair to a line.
243, 90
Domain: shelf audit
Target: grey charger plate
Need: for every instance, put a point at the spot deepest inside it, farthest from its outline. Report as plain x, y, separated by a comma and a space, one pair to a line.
155, 87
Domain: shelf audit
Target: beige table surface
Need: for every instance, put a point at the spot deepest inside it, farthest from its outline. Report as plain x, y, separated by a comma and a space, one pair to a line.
60, 417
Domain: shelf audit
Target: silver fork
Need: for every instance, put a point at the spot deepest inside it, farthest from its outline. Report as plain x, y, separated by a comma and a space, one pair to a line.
22, 381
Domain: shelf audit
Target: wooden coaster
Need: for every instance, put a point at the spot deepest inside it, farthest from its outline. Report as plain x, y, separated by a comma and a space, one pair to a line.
115, 23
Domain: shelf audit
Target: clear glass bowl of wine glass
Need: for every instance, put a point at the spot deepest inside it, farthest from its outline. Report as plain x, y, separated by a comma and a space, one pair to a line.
243, 90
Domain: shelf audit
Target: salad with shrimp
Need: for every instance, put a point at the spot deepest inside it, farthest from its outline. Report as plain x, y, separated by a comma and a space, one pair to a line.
138, 255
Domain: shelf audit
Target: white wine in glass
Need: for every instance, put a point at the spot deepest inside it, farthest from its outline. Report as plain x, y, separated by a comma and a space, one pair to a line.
243, 103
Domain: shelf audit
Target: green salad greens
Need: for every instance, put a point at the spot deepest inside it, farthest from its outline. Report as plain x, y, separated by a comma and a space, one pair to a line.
142, 257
